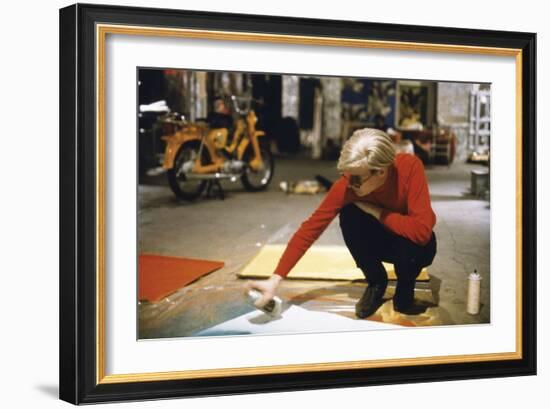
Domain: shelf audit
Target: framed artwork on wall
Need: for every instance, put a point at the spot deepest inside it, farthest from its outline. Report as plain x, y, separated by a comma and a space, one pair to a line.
122, 66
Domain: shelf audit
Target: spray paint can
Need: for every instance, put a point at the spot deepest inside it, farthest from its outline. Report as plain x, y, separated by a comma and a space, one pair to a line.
474, 287
272, 308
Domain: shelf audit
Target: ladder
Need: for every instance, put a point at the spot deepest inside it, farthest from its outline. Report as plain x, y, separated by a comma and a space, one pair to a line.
480, 121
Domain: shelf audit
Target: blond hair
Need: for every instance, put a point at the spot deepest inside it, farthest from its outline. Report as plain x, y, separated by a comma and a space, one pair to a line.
367, 149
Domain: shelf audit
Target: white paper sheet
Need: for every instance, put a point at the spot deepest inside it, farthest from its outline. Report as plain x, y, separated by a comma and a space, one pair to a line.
294, 319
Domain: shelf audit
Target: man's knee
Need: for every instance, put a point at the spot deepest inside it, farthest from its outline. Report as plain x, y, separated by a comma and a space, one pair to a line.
352, 216
347, 212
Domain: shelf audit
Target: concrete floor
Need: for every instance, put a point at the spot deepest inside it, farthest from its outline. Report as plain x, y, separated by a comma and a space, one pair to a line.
232, 230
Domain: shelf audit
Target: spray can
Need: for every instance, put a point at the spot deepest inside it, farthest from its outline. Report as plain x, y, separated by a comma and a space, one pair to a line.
273, 307
474, 287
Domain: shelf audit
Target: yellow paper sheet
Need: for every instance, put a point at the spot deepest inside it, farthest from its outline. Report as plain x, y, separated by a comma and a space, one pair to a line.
319, 263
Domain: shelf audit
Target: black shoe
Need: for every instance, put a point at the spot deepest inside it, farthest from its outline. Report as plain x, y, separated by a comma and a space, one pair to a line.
371, 300
409, 309
400, 307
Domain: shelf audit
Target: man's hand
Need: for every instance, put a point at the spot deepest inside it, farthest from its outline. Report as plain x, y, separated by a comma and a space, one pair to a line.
266, 287
369, 208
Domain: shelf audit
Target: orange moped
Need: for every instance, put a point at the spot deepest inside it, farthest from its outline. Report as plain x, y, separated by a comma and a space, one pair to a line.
197, 153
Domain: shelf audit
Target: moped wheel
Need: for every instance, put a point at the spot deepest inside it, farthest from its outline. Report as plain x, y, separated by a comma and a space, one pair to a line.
255, 180
182, 186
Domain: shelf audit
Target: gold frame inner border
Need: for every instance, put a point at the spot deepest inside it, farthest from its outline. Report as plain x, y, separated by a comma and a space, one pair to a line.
102, 30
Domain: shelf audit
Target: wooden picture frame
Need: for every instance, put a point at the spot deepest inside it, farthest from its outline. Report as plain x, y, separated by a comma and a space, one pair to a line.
83, 30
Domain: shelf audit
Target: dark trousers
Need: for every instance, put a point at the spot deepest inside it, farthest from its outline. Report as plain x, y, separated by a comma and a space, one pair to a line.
370, 243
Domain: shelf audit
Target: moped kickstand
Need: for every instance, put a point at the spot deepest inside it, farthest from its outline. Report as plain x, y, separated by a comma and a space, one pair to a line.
215, 189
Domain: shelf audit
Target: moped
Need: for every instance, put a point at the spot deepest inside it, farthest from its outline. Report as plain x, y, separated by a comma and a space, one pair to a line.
198, 154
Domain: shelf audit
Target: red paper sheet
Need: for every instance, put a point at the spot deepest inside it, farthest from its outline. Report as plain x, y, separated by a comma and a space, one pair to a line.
160, 276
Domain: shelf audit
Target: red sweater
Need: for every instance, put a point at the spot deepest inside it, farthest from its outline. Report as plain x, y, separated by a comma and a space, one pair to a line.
404, 196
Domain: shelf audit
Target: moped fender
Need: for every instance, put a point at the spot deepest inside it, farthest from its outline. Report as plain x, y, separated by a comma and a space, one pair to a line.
173, 143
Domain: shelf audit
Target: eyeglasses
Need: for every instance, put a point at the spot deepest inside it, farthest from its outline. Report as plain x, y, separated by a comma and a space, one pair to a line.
357, 181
